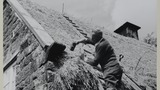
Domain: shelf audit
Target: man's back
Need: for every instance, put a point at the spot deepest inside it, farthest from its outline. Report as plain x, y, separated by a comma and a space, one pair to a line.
105, 55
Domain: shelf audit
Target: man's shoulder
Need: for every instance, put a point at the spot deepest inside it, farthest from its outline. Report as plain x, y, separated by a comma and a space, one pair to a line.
104, 43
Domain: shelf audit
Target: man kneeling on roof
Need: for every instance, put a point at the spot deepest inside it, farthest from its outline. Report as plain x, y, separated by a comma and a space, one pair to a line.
105, 56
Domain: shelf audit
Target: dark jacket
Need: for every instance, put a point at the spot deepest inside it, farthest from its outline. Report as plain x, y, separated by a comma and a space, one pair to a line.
104, 55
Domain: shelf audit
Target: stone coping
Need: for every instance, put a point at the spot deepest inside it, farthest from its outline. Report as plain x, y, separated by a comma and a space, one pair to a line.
43, 37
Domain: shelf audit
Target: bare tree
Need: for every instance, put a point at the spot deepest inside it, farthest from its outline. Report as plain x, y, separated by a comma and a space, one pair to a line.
151, 39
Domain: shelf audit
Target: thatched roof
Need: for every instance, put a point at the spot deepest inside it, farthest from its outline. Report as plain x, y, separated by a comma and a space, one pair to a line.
133, 50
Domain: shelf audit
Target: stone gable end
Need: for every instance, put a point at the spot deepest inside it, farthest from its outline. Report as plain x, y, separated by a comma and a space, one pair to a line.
24, 46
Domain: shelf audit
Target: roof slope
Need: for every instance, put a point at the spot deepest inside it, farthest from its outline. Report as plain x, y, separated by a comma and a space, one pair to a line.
133, 50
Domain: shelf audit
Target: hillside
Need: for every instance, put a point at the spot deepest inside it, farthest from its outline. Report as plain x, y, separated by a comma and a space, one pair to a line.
62, 30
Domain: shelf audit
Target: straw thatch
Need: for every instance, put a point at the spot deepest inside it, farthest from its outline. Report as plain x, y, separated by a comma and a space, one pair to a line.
75, 74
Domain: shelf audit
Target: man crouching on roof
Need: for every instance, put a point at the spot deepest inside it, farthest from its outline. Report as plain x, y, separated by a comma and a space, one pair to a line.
105, 56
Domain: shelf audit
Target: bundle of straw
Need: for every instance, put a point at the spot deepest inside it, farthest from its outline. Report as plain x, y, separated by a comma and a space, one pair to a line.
76, 75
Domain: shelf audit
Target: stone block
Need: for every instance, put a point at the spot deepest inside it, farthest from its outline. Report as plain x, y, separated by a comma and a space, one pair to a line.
18, 26
41, 58
5, 18
5, 53
5, 30
34, 75
21, 84
30, 38
27, 81
27, 33
27, 51
6, 46
33, 66
19, 77
8, 16
13, 50
50, 76
38, 61
41, 79
24, 31
19, 88
4, 15
22, 34
20, 58
24, 44
51, 86
27, 71
37, 51
8, 26
30, 48
35, 58
27, 60
7, 35
14, 37
21, 64
40, 71
14, 24
7, 11
41, 87
12, 29
10, 21
25, 85
7, 8
34, 45
35, 54
27, 88
17, 69
7, 39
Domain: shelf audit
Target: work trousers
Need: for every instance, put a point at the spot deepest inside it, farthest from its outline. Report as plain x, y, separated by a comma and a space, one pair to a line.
112, 76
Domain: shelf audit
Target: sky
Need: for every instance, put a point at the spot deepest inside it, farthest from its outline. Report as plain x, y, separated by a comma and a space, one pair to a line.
110, 14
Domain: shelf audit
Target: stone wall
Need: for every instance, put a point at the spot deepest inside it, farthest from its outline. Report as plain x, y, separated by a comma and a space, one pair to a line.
24, 48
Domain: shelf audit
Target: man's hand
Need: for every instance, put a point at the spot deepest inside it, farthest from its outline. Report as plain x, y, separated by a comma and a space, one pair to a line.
73, 46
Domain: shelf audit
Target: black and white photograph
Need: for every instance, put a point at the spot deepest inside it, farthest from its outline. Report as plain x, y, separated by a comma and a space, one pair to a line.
79, 44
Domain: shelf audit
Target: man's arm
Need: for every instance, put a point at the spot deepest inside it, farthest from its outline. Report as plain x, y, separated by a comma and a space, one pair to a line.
85, 41
98, 56
93, 62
